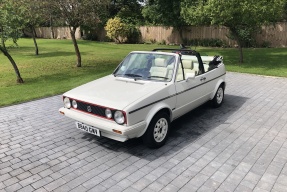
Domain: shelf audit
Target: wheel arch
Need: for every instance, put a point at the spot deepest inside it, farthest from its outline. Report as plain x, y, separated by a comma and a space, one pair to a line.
219, 83
156, 110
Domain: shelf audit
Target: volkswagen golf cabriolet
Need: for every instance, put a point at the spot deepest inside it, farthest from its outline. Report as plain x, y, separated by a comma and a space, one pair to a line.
145, 93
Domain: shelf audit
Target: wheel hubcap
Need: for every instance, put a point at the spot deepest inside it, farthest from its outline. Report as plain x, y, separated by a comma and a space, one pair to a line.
160, 130
219, 95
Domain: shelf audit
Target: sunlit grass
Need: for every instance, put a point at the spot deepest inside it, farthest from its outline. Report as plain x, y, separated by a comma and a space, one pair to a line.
54, 72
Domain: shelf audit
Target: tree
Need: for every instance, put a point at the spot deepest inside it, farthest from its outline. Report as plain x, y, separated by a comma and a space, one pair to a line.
244, 18
77, 13
10, 25
285, 11
130, 11
33, 16
164, 12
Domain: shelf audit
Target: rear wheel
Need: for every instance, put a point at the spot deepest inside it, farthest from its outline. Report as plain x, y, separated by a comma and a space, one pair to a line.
218, 97
157, 131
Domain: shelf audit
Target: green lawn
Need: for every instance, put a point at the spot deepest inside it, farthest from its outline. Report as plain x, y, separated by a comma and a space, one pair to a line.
54, 72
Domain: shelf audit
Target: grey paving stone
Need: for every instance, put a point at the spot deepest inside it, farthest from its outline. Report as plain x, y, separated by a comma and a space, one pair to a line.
282, 179
130, 190
2, 186
55, 184
141, 184
205, 189
62, 188
240, 146
92, 182
28, 188
187, 188
219, 176
11, 181
80, 188
29, 180
264, 185
125, 183
42, 182
241, 188
14, 187
279, 187
180, 181
212, 184
4, 177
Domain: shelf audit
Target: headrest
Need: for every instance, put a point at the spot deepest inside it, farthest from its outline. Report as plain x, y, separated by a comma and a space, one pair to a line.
159, 62
187, 64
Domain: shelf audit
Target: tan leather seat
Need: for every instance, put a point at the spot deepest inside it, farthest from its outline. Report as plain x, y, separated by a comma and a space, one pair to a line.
187, 67
159, 69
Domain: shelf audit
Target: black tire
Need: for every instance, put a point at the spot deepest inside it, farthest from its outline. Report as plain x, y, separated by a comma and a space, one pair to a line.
156, 138
218, 97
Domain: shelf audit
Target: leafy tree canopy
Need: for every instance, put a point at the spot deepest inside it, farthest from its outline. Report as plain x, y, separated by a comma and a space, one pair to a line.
77, 13
11, 23
128, 10
163, 12
244, 18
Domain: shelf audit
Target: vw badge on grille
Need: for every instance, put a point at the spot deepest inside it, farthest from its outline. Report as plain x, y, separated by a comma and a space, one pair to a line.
89, 109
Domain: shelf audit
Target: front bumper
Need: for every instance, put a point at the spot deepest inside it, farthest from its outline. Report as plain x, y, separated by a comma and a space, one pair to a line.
106, 126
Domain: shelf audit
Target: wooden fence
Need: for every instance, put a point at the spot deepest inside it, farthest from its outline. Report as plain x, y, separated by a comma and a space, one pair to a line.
57, 32
274, 35
170, 35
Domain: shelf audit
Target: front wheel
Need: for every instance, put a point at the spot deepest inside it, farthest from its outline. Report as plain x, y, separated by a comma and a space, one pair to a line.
218, 97
157, 131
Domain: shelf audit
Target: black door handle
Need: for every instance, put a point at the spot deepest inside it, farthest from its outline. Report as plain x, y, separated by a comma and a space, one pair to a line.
203, 79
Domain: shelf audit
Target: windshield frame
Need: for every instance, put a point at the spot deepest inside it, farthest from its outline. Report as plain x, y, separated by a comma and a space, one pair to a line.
171, 56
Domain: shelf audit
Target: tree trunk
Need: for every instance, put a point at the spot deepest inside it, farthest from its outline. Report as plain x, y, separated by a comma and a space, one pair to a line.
240, 53
2, 40
34, 39
5, 52
239, 42
180, 31
51, 25
79, 60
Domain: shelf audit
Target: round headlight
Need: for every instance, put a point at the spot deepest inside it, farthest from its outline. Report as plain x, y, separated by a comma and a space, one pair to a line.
74, 104
119, 117
67, 102
108, 113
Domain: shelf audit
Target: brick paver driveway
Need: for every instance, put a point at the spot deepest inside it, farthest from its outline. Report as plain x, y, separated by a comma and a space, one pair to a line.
241, 146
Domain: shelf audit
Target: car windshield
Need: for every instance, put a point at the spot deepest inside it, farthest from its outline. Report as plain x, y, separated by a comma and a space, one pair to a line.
147, 66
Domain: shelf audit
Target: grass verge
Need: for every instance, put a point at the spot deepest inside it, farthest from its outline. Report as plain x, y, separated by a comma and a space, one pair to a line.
54, 72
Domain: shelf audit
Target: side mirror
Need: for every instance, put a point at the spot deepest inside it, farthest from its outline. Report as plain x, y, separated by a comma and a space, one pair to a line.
190, 76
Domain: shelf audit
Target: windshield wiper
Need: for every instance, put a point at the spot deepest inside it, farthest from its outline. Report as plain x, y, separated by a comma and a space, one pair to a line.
132, 75
157, 77
136, 76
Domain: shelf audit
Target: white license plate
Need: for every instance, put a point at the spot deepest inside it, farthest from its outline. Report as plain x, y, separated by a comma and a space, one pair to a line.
89, 129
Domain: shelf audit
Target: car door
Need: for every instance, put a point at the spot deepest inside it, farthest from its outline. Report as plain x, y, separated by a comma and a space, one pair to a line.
211, 78
191, 92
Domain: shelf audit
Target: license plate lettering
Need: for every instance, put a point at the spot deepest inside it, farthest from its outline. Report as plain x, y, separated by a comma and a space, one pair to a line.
88, 129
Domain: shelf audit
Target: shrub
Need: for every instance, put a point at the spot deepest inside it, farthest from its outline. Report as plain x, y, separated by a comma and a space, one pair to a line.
133, 34
122, 32
116, 29
266, 44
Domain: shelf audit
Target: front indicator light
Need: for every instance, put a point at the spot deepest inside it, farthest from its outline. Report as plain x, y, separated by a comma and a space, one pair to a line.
117, 131
119, 117
67, 102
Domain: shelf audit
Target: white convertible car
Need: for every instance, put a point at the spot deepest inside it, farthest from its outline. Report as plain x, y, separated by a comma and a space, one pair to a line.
146, 92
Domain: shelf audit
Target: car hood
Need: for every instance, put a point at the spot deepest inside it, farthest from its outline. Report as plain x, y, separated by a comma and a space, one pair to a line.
114, 92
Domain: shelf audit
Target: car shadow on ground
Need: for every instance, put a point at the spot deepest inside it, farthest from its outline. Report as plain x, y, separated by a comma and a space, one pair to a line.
184, 130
